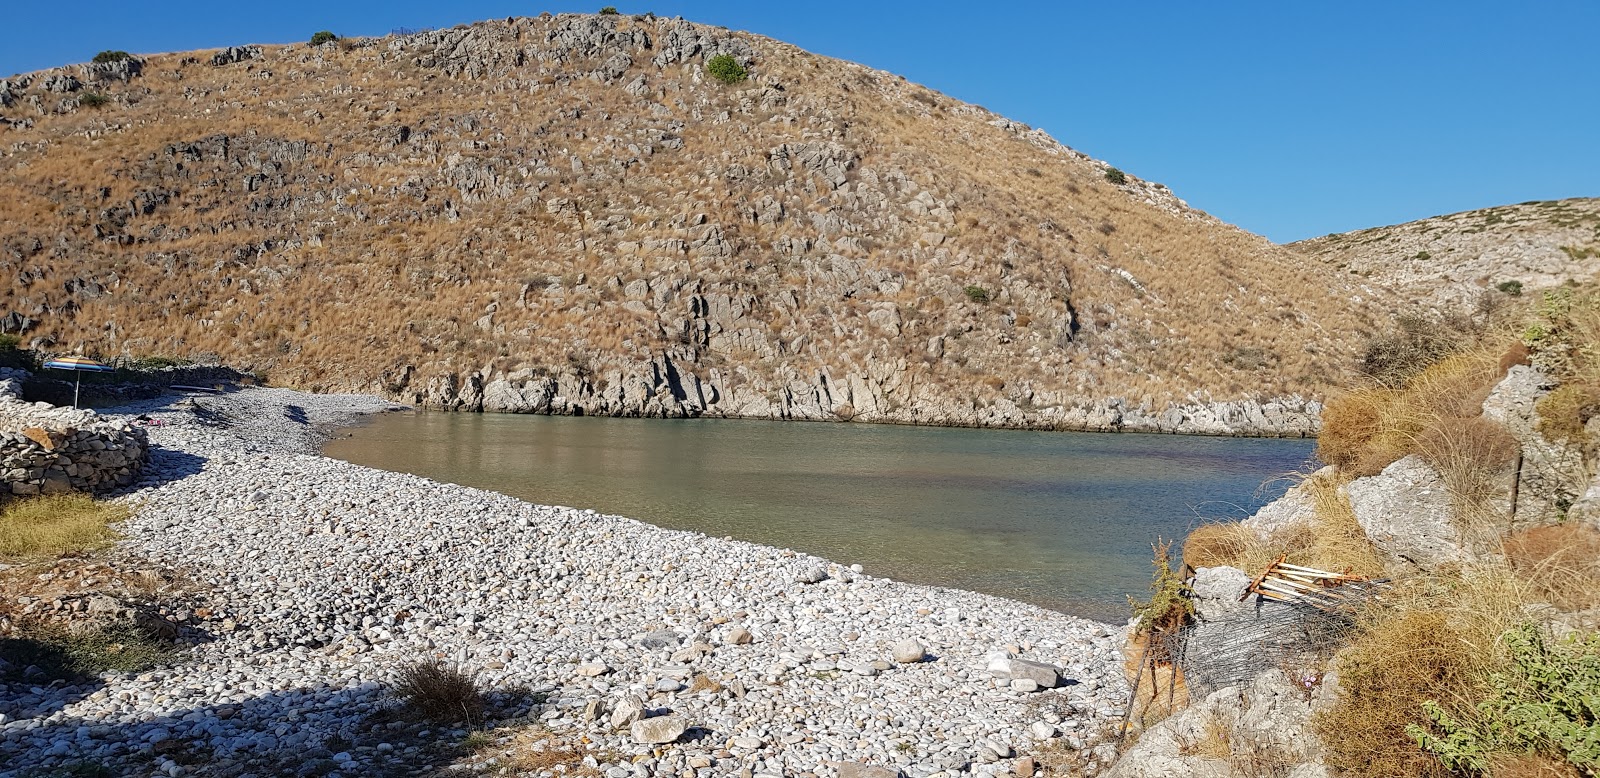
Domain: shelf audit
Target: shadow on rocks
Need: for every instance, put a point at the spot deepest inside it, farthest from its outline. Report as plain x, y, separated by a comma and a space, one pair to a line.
165, 465
320, 731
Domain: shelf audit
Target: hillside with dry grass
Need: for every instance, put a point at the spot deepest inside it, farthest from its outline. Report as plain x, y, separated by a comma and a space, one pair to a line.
568, 214
1446, 262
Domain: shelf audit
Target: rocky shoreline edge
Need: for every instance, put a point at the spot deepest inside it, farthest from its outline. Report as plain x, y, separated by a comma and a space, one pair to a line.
315, 580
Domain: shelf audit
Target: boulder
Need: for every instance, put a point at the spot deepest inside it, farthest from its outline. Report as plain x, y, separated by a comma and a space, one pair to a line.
859, 770
1008, 669
811, 574
909, 651
1406, 511
737, 636
658, 730
1552, 475
1219, 591
626, 712
1295, 506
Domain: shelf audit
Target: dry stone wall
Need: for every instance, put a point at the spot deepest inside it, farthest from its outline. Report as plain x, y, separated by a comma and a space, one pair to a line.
46, 449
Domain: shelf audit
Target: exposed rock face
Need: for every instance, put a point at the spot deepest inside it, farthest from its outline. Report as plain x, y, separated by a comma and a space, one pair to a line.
49, 450
566, 215
1266, 722
1552, 475
1406, 511
1297, 505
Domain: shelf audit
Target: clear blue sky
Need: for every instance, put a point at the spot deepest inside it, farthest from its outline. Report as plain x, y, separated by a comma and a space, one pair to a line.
1290, 118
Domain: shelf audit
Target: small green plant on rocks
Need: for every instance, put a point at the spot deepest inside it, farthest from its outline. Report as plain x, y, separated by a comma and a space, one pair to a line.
93, 100
1513, 288
726, 69
1116, 176
609, 10
977, 294
323, 36
111, 56
1547, 703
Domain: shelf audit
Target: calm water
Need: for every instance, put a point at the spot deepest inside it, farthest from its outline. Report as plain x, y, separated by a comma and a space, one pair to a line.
1062, 520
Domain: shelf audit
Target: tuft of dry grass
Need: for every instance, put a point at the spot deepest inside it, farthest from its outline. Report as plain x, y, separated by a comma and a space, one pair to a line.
1331, 540
1530, 766
1564, 411
57, 525
1366, 430
1560, 562
1434, 640
440, 692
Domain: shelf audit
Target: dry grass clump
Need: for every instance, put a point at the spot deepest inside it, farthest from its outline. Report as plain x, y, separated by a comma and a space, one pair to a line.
1436, 640
1384, 679
1366, 430
1560, 562
1564, 411
1475, 458
440, 692
1332, 539
57, 525
1530, 766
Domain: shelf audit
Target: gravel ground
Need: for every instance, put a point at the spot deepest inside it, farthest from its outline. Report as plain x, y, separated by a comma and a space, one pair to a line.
325, 577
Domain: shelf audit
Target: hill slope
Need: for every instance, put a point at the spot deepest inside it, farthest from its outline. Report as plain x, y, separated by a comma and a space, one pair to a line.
566, 214
1448, 260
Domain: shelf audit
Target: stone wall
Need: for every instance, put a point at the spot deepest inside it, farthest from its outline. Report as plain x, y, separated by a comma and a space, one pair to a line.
45, 449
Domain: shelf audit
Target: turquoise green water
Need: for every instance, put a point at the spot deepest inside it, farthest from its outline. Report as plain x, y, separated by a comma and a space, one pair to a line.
1062, 520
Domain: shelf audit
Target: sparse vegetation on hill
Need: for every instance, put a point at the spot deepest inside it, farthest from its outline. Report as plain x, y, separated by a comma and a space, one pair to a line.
556, 204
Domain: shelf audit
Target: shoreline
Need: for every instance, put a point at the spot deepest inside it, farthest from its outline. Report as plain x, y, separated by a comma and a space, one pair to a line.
326, 576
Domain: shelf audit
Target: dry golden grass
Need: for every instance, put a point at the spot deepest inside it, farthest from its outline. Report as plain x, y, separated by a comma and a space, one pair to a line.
440, 692
353, 266
1434, 639
1530, 766
56, 525
1331, 540
1560, 562
1366, 430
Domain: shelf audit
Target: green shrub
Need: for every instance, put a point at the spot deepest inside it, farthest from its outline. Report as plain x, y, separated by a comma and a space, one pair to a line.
726, 69
93, 100
977, 294
1116, 176
111, 56
323, 36
609, 10
1547, 703
1513, 288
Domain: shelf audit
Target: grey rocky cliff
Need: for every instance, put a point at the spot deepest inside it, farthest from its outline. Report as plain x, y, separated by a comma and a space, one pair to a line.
1551, 475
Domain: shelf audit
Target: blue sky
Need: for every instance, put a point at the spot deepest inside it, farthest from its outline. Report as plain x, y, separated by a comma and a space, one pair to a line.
1289, 118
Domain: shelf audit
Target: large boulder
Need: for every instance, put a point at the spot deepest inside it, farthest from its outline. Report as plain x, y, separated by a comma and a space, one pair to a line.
1552, 476
1265, 721
1295, 506
1407, 513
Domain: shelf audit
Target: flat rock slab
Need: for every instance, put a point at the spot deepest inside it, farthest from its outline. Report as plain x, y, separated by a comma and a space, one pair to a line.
658, 730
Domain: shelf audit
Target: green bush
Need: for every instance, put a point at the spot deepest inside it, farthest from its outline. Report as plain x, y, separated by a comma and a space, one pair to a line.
726, 69
1513, 288
323, 36
93, 100
977, 294
609, 10
1547, 703
1116, 176
111, 56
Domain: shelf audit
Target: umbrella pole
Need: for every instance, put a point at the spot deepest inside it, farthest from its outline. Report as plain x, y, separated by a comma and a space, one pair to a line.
78, 381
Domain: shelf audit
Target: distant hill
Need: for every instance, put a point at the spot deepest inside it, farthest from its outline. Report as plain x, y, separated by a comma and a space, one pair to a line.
568, 214
1446, 261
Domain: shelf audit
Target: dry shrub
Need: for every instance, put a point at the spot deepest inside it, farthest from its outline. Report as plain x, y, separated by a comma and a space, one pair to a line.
1337, 541
1216, 545
1384, 679
1331, 540
1564, 412
1530, 766
1561, 563
1366, 430
1474, 458
1433, 640
440, 692
56, 525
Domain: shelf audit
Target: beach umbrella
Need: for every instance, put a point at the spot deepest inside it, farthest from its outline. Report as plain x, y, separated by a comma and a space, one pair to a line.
78, 365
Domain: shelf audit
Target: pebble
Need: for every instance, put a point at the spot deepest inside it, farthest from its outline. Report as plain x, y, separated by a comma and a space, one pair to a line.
322, 578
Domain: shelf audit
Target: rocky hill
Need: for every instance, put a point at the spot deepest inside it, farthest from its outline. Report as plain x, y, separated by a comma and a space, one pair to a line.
567, 214
1446, 261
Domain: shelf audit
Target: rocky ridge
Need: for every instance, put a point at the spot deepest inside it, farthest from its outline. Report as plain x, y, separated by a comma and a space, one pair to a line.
1446, 261
565, 214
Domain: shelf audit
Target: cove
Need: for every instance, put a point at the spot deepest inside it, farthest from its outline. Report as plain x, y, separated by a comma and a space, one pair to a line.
1058, 519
